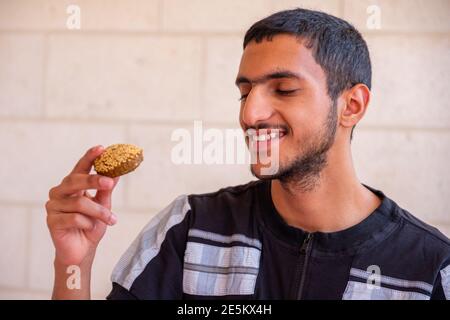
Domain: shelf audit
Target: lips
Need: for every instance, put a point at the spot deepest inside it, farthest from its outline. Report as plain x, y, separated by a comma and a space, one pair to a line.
263, 140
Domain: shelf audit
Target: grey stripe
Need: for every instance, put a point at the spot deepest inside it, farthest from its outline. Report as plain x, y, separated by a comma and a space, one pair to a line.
223, 270
445, 281
148, 243
208, 255
224, 239
393, 281
361, 291
217, 271
216, 284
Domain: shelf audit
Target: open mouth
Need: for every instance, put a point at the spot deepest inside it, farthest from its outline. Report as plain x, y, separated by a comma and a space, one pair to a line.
263, 140
262, 135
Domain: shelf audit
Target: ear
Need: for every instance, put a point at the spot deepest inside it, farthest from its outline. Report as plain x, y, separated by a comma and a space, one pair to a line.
356, 102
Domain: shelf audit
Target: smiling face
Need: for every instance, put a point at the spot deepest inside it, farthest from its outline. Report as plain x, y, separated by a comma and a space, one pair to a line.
283, 87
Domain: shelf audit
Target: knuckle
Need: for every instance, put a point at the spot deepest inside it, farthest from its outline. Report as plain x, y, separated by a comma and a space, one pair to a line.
51, 192
48, 205
68, 180
49, 221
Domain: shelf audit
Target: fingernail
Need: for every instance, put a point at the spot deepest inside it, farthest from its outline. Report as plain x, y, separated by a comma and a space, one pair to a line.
112, 219
105, 182
98, 148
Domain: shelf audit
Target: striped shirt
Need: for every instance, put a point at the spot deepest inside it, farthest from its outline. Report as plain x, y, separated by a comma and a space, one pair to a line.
233, 244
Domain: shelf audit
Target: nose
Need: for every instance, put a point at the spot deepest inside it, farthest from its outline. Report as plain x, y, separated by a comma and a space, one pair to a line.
255, 108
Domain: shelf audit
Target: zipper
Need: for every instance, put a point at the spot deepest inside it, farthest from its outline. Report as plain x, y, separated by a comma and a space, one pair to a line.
306, 250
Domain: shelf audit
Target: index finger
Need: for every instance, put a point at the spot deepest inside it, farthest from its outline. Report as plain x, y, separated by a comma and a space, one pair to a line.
85, 163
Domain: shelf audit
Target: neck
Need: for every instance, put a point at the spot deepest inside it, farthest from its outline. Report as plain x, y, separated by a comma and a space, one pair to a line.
337, 201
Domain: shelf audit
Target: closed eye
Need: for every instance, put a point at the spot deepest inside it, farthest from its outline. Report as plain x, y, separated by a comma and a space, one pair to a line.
280, 92
286, 92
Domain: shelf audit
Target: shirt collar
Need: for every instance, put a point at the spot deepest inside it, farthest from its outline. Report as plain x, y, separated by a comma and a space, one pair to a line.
373, 229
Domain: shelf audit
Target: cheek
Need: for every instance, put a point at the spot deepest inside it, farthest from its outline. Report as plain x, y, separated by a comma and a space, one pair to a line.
300, 122
306, 118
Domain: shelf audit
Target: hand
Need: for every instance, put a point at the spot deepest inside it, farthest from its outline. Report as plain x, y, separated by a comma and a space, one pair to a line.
76, 220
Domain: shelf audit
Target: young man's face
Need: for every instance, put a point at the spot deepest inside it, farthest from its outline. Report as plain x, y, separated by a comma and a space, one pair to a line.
283, 87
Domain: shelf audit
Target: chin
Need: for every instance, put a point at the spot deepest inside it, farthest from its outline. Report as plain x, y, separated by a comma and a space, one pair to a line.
263, 172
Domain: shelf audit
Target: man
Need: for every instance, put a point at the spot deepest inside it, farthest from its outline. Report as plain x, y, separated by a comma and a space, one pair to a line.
310, 230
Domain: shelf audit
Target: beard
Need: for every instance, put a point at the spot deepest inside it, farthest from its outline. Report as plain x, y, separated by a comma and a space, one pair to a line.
303, 172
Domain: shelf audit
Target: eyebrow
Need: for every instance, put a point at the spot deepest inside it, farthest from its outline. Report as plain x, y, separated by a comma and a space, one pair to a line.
274, 75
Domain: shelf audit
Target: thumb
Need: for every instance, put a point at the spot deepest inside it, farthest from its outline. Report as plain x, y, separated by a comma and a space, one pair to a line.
103, 197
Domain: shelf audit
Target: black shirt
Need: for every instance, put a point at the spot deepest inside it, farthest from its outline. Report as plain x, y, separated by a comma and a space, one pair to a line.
233, 244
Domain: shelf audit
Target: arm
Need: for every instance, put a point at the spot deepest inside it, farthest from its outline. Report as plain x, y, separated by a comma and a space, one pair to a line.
62, 291
77, 222
441, 288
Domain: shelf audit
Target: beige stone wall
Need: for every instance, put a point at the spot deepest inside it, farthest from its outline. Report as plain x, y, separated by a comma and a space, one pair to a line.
137, 69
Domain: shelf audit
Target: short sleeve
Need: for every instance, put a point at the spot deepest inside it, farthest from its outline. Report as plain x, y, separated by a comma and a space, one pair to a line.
152, 267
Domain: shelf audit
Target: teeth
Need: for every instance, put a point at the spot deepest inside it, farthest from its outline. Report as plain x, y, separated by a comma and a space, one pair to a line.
264, 134
264, 137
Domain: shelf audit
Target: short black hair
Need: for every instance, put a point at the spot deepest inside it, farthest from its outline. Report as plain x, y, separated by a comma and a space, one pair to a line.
336, 45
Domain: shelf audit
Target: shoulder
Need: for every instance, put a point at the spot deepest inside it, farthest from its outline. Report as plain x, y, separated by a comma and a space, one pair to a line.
413, 234
230, 210
227, 194
424, 237
227, 201
423, 229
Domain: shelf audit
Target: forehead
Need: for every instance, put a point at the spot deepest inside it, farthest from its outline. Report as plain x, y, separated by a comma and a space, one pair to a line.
283, 52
